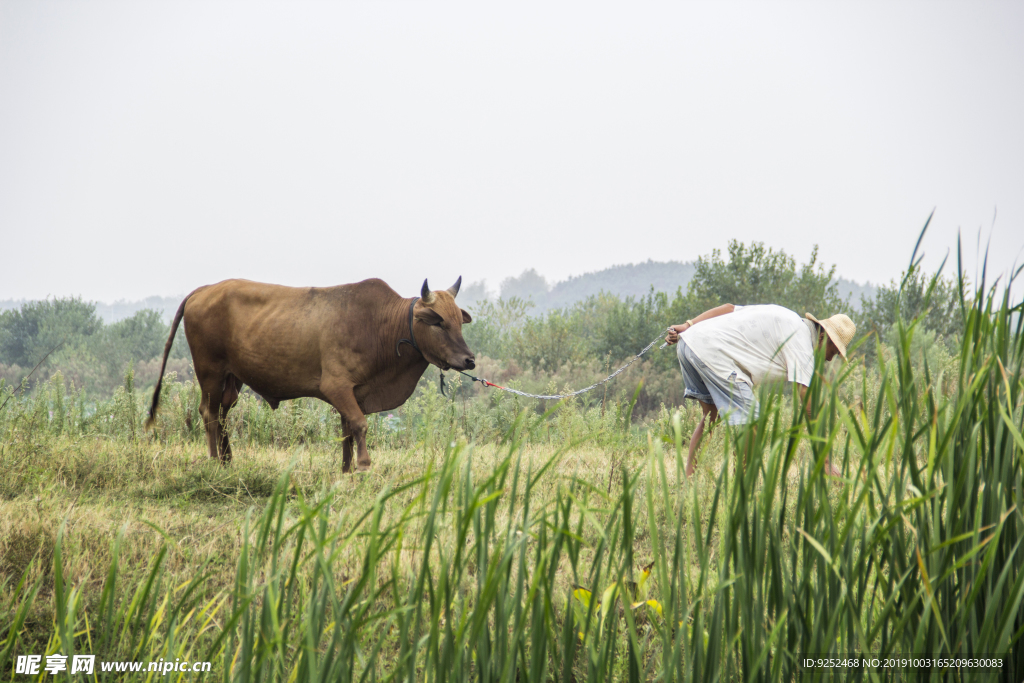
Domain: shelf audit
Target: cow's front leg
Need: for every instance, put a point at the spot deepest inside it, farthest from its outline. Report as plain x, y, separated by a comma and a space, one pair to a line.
353, 421
346, 447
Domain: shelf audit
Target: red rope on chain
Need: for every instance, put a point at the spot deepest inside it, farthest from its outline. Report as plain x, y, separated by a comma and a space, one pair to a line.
482, 381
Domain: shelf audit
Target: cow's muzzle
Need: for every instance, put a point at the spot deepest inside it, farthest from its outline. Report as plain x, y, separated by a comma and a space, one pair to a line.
464, 363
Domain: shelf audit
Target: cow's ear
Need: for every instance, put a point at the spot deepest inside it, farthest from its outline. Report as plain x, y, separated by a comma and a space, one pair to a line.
466, 317
428, 316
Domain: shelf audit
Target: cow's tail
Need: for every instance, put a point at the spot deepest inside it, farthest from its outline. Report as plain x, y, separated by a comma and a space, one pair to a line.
163, 366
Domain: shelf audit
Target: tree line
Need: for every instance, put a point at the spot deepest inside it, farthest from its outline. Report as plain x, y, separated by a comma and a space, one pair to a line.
66, 335
561, 347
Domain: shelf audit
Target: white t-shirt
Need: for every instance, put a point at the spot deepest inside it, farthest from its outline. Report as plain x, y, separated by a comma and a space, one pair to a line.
759, 343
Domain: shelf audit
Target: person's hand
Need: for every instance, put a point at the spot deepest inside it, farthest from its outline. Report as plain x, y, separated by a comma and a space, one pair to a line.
673, 333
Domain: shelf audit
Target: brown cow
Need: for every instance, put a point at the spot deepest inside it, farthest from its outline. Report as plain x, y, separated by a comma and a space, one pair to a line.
360, 347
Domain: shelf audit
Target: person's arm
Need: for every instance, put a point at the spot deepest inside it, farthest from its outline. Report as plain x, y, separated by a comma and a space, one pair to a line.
803, 400
673, 335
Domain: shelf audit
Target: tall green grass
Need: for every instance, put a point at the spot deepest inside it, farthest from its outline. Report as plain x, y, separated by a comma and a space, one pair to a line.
477, 573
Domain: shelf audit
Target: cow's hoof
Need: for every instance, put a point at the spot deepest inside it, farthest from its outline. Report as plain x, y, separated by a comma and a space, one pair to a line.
361, 467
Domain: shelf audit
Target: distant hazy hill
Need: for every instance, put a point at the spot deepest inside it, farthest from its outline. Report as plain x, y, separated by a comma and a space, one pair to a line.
623, 281
852, 291
633, 280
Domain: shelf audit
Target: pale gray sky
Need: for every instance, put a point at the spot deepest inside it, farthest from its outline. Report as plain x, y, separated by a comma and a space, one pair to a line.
149, 148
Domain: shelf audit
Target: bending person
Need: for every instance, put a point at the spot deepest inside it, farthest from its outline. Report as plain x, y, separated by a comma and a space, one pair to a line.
727, 351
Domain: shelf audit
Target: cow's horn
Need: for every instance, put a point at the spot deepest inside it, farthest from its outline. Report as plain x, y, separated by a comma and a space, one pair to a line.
426, 294
454, 289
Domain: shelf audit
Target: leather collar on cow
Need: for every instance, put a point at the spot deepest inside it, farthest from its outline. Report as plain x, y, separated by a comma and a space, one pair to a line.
411, 341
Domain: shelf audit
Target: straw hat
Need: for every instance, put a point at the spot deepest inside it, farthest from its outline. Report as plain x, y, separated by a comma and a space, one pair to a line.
839, 328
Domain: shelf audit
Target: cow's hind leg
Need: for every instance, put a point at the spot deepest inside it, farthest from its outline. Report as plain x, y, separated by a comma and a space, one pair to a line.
352, 420
229, 396
210, 408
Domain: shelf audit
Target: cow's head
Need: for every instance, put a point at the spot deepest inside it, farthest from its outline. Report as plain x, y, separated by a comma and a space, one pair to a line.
438, 322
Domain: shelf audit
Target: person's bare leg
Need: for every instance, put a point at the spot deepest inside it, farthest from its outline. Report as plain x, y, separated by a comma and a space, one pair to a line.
709, 415
830, 469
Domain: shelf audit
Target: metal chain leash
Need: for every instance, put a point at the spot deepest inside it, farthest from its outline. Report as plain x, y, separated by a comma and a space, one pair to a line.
574, 393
